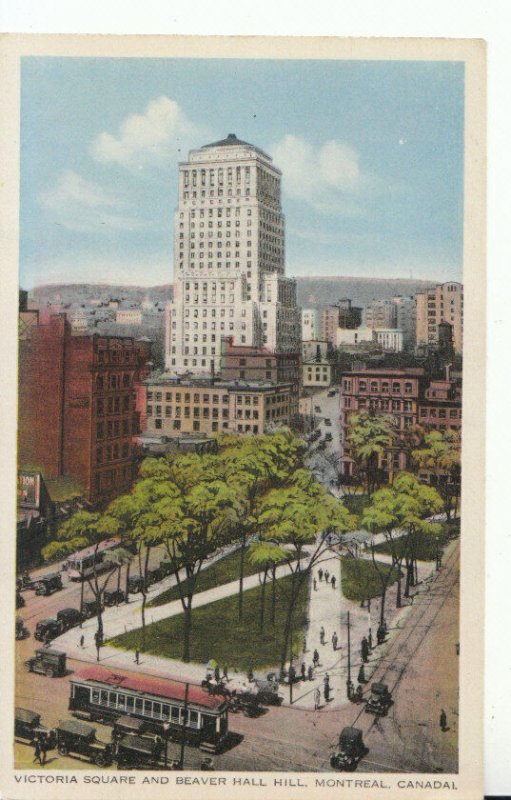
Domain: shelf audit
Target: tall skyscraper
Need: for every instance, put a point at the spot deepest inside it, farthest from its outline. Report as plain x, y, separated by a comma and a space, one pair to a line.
229, 259
444, 303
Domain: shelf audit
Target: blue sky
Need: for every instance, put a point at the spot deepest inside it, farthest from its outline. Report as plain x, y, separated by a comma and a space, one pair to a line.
371, 155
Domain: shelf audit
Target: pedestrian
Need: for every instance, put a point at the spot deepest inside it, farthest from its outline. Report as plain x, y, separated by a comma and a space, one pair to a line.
320, 575
322, 635
37, 752
225, 675
364, 650
361, 674
380, 634
137, 656
43, 747
302, 671
317, 698
326, 679
315, 658
310, 673
358, 694
304, 645
443, 721
217, 673
370, 639
292, 674
315, 585
250, 675
333, 581
334, 641
326, 692
327, 575
82, 640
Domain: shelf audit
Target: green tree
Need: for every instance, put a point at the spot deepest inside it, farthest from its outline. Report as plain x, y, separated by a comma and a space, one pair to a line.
440, 457
370, 437
267, 556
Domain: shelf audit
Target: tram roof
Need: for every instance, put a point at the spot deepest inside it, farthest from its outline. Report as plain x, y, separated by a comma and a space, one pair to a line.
94, 548
161, 687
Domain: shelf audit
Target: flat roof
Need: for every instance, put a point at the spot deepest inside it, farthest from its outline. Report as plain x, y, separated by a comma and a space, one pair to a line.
173, 381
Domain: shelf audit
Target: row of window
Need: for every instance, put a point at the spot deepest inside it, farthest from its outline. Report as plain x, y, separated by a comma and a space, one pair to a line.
145, 708
170, 397
113, 381
115, 356
112, 405
113, 428
397, 386
112, 453
198, 411
215, 175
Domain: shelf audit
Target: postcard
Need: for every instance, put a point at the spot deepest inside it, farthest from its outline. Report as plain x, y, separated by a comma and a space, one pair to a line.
243, 426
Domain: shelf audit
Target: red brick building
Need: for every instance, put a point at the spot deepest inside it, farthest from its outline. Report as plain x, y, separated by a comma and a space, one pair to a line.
77, 410
408, 395
245, 363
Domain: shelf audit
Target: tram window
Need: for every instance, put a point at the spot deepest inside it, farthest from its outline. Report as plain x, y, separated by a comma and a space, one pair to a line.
157, 710
112, 700
139, 705
121, 701
165, 712
104, 698
130, 702
194, 719
148, 708
95, 696
175, 714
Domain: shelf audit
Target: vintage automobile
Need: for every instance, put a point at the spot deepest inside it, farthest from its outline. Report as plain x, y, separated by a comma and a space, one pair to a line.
21, 630
246, 702
331, 393
135, 584
267, 692
27, 725
90, 609
380, 699
77, 738
122, 726
48, 584
328, 421
20, 600
328, 437
350, 750
153, 576
69, 617
25, 582
48, 629
45, 661
114, 597
139, 752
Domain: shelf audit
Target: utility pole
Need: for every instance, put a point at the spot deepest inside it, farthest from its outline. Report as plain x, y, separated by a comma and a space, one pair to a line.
183, 729
348, 682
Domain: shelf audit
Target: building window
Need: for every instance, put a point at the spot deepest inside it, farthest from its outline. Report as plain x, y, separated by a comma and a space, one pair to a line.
157, 424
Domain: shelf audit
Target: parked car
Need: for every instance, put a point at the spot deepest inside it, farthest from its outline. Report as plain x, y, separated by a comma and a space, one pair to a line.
45, 661
90, 609
69, 617
48, 584
135, 584
317, 409
25, 582
114, 597
328, 421
380, 699
153, 576
20, 600
139, 752
350, 750
77, 738
124, 725
328, 437
27, 725
21, 630
47, 629
267, 692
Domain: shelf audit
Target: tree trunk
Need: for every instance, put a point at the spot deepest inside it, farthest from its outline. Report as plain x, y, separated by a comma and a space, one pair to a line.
407, 580
187, 629
261, 607
242, 575
295, 590
382, 610
398, 595
118, 583
144, 595
128, 580
273, 589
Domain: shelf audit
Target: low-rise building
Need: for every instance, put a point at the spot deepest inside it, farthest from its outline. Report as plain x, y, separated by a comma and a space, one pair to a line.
176, 406
390, 339
129, 316
350, 337
316, 373
314, 348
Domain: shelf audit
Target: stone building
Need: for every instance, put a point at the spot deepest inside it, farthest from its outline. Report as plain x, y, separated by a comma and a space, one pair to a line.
442, 304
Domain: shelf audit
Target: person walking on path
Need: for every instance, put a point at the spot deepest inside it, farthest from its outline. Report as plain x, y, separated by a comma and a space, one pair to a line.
225, 674
364, 650
304, 645
332, 581
315, 658
317, 698
370, 639
334, 641
326, 692
320, 575
37, 752
315, 585
443, 721
82, 640
361, 675
302, 671
327, 575
322, 635
137, 656
310, 673
43, 746
217, 673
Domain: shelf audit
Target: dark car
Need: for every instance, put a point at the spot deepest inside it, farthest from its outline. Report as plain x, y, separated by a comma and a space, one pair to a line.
124, 725
27, 725
114, 597
350, 750
69, 617
48, 629
139, 752
77, 738
328, 421
20, 600
21, 630
135, 584
267, 693
45, 661
328, 437
166, 568
380, 699
48, 584
90, 609
153, 576
331, 393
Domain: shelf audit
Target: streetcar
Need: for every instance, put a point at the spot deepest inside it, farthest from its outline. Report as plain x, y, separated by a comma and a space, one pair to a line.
81, 564
97, 693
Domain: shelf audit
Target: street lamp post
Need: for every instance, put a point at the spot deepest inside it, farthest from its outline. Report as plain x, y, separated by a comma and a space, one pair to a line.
183, 731
166, 729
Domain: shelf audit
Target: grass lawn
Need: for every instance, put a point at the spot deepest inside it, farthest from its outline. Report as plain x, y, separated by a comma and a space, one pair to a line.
360, 579
217, 633
223, 571
427, 545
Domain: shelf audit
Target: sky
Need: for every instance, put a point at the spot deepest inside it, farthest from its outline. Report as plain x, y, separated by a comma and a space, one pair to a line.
371, 154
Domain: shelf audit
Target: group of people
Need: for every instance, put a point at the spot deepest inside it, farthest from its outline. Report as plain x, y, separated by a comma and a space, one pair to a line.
41, 747
326, 692
334, 639
329, 579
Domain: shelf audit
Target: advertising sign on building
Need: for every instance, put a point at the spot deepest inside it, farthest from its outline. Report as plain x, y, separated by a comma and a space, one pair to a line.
29, 489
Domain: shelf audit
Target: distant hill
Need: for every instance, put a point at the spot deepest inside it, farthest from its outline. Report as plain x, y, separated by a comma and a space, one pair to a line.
312, 292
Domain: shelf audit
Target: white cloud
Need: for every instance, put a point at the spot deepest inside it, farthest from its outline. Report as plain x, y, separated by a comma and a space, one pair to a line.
329, 177
146, 139
81, 205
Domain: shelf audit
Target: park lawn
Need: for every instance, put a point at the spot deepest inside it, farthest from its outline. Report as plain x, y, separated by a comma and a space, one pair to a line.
217, 633
427, 545
360, 579
222, 571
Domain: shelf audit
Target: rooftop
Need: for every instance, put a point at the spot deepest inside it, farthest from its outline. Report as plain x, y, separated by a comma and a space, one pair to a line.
168, 379
232, 141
